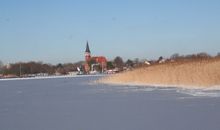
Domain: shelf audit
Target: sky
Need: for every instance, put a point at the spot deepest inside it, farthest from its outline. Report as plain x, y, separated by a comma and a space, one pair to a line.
56, 31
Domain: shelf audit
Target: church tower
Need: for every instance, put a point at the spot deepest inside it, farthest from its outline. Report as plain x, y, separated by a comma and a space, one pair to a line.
87, 53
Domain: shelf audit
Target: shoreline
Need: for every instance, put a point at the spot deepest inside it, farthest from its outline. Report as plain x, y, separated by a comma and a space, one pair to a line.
215, 87
49, 77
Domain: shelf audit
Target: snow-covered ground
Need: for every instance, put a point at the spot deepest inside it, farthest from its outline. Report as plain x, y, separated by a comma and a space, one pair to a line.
76, 103
51, 77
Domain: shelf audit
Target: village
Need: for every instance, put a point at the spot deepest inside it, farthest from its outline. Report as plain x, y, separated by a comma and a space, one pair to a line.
91, 65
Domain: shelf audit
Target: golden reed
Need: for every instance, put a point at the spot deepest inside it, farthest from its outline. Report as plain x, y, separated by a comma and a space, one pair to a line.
194, 73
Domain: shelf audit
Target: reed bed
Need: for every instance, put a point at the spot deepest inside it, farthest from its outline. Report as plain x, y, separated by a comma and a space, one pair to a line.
198, 73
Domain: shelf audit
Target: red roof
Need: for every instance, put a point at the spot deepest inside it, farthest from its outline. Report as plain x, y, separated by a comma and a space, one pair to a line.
100, 59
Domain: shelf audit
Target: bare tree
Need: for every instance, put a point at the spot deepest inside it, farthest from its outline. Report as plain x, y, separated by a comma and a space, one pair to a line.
118, 61
129, 63
136, 60
29, 68
218, 54
1, 64
174, 56
160, 58
110, 65
203, 55
1, 67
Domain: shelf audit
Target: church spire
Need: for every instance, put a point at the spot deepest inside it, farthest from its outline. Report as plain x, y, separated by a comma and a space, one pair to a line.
87, 47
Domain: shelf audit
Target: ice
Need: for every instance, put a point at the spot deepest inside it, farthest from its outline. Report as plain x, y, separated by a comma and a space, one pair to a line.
76, 103
200, 92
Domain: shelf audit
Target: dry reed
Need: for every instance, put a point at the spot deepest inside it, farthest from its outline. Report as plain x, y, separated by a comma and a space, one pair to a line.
199, 73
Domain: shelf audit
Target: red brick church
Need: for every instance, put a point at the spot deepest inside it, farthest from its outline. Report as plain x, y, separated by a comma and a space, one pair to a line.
94, 61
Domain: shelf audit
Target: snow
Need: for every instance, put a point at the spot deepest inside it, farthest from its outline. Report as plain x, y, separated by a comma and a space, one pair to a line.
50, 77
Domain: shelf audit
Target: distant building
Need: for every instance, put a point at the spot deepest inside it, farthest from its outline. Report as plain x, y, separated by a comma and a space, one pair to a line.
8, 66
147, 62
94, 61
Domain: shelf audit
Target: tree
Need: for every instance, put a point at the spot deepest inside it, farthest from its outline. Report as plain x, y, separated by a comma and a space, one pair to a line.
110, 65
160, 58
136, 60
129, 63
191, 56
203, 55
59, 65
174, 56
1, 64
1, 67
218, 54
118, 61
29, 68
14, 69
69, 67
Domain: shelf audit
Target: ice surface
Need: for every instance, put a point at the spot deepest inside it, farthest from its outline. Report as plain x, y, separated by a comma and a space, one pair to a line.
73, 103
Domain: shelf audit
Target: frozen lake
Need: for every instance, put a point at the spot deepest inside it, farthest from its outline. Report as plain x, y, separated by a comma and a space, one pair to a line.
74, 103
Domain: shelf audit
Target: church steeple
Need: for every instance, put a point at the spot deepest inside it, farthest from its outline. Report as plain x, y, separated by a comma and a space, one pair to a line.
87, 53
87, 48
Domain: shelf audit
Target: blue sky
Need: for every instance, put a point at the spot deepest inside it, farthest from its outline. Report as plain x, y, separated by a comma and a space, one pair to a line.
56, 31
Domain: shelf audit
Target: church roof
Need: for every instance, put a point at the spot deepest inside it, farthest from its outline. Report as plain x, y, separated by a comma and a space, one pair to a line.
87, 48
100, 59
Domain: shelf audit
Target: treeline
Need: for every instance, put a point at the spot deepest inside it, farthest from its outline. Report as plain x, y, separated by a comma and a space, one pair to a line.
198, 56
22, 69
119, 63
34, 68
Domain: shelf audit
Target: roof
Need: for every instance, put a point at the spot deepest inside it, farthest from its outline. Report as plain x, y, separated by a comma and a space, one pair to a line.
99, 59
87, 48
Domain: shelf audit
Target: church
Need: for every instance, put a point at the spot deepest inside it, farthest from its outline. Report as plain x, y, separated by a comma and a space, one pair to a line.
94, 63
